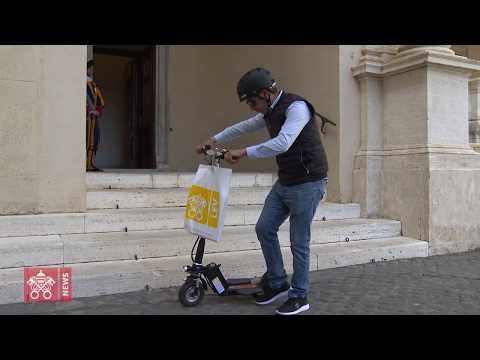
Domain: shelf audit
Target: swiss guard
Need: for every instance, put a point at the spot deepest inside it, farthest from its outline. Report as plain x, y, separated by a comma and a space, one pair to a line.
95, 105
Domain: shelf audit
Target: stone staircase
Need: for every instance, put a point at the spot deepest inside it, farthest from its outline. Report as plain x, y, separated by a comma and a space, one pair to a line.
132, 236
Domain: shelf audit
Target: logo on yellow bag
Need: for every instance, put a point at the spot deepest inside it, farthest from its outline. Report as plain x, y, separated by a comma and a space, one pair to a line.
203, 206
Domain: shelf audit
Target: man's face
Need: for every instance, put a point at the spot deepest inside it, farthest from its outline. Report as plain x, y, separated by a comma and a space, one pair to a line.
90, 71
258, 103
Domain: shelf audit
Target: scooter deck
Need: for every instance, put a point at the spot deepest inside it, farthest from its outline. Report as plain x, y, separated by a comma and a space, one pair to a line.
245, 281
243, 287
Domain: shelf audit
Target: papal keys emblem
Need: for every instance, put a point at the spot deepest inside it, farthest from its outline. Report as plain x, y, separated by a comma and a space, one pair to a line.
41, 285
47, 284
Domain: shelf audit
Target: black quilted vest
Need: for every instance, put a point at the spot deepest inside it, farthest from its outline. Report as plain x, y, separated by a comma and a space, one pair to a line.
306, 160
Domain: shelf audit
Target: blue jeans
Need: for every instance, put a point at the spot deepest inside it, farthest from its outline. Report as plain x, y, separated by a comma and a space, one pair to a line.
300, 203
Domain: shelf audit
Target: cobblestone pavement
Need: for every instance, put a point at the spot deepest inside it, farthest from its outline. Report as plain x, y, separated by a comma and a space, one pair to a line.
447, 284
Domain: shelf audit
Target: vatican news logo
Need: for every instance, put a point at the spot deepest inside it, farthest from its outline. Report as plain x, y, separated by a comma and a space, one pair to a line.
47, 284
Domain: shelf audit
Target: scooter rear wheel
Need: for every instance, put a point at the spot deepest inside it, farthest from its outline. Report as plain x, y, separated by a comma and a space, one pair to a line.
191, 294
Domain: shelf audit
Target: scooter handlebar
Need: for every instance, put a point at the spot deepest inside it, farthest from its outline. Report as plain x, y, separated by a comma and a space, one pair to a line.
217, 154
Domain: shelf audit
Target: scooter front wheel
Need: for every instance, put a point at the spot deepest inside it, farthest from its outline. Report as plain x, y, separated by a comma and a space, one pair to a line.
191, 293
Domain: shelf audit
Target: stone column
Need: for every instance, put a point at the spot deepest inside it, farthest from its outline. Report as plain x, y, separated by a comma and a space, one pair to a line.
42, 129
474, 112
368, 160
430, 174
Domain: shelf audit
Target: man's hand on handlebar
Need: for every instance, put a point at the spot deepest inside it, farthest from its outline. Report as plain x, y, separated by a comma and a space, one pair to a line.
234, 156
200, 148
231, 156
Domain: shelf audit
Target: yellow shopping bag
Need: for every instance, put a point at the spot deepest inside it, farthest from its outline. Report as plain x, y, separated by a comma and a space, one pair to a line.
207, 200
203, 206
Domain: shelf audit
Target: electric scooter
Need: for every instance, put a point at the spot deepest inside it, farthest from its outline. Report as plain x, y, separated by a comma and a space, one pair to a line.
201, 277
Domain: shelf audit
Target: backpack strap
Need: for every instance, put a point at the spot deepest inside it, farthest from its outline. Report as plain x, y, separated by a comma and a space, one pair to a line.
324, 122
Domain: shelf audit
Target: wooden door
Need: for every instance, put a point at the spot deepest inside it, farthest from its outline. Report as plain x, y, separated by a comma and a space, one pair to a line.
147, 158
134, 109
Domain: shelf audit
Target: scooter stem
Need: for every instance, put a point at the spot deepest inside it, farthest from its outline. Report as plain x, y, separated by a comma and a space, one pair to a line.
200, 251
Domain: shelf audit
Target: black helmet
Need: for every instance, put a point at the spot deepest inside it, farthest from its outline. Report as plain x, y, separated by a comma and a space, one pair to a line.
253, 82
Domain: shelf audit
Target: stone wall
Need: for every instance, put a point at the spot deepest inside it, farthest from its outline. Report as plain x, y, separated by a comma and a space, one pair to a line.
42, 129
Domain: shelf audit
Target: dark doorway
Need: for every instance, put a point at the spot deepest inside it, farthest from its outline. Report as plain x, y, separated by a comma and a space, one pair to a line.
127, 72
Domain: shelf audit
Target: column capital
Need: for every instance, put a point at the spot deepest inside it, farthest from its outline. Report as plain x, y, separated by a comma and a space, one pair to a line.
410, 57
372, 59
404, 50
385, 60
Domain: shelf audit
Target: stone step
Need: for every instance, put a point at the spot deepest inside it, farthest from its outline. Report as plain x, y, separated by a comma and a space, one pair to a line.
59, 249
142, 219
160, 198
159, 180
42, 224
173, 218
110, 277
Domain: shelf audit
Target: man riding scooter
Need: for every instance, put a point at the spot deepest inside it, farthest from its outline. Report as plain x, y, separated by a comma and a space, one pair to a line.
302, 179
